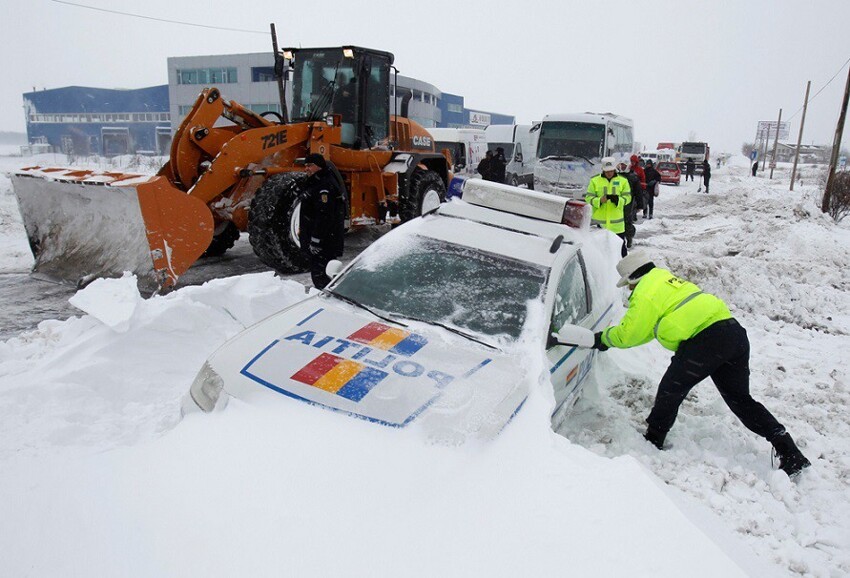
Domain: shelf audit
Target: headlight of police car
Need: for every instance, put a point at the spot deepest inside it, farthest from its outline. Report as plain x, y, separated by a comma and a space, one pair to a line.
206, 390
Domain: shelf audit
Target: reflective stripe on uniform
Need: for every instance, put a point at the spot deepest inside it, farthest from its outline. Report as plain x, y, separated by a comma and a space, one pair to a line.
685, 300
598, 222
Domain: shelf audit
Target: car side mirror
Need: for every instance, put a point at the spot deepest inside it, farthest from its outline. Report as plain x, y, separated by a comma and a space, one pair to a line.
574, 336
460, 166
333, 268
518, 157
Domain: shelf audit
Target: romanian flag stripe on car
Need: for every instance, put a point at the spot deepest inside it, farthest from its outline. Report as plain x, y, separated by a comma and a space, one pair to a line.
343, 377
388, 338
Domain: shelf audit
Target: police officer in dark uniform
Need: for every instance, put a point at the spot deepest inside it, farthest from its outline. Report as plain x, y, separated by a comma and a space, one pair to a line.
322, 225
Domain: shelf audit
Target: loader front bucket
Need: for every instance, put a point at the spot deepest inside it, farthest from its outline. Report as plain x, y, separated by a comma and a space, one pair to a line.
83, 225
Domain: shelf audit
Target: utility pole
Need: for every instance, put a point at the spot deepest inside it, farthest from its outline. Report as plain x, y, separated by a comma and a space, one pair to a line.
800, 136
836, 145
764, 152
775, 144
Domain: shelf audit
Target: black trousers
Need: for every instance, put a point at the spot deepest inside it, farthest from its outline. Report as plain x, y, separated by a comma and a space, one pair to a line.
722, 352
705, 180
318, 262
649, 207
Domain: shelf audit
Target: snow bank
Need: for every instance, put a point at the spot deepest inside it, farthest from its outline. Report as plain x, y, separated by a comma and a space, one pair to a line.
98, 464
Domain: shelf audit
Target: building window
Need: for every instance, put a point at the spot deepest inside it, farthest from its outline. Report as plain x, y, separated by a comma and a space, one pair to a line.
207, 76
454, 107
265, 107
262, 74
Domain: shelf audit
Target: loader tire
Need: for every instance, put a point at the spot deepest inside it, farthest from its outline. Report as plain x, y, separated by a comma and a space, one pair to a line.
273, 223
222, 241
425, 192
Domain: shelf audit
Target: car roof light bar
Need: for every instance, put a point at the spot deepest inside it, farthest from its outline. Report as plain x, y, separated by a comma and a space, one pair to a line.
514, 200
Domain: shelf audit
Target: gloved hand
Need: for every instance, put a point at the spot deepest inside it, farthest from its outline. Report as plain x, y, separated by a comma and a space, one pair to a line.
614, 198
315, 249
597, 342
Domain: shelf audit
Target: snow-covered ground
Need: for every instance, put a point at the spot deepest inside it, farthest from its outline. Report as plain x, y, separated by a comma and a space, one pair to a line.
100, 476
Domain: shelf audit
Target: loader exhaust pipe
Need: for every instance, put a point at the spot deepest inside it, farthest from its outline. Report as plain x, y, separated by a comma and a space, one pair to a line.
405, 103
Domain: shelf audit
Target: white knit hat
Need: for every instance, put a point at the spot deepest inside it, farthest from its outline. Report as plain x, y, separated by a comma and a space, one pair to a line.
629, 264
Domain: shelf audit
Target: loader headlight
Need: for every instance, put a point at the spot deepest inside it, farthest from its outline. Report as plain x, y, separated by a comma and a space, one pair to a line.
348, 52
206, 389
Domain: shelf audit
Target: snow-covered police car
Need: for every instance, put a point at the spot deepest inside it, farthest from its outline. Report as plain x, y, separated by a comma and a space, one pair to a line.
437, 319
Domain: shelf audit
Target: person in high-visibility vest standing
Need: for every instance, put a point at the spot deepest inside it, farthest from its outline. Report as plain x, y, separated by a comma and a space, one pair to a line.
707, 342
609, 193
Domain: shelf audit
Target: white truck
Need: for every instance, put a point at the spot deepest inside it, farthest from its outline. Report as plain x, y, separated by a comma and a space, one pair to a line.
467, 146
519, 144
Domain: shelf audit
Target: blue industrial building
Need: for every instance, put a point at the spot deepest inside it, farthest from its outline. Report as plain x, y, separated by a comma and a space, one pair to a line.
81, 120
454, 114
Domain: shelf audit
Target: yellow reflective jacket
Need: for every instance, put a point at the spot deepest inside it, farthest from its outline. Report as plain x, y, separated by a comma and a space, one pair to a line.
667, 308
608, 215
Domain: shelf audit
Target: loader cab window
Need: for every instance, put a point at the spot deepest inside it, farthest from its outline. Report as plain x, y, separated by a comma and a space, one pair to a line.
325, 82
377, 102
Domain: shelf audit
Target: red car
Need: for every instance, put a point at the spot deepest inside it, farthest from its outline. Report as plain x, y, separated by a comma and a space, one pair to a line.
669, 172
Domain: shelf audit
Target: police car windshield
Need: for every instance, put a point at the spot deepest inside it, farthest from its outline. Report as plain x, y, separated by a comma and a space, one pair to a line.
439, 281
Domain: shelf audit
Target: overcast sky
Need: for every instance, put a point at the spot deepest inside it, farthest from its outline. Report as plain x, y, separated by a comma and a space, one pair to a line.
680, 69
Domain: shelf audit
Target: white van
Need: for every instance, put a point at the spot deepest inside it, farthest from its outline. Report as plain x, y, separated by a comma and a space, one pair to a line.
519, 145
467, 146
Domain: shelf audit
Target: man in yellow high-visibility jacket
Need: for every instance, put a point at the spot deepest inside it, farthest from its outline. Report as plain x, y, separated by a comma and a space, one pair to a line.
707, 342
608, 193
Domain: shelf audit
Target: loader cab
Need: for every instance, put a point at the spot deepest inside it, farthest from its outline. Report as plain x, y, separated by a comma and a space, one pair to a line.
350, 81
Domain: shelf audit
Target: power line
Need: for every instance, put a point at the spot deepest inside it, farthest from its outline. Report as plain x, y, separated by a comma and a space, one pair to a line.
824, 86
160, 19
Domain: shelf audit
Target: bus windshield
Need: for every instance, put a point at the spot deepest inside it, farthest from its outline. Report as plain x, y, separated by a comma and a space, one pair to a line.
571, 139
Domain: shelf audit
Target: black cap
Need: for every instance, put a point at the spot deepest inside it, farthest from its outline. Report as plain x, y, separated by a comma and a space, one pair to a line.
316, 159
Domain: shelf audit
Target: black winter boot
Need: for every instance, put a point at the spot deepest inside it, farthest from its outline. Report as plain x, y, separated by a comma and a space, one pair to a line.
791, 460
655, 437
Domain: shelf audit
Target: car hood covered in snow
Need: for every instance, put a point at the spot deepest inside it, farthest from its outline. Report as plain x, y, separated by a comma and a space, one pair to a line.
330, 355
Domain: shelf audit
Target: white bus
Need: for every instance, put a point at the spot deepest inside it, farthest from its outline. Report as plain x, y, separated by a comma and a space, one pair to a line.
570, 148
467, 145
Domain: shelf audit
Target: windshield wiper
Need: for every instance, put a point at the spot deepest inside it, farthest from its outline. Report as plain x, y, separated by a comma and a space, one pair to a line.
361, 306
452, 329
567, 158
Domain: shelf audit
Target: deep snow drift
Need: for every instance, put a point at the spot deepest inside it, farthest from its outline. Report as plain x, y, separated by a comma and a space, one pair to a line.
100, 476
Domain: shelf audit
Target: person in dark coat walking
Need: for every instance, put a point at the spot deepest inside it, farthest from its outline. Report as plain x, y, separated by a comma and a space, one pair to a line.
484, 167
706, 174
497, 166
690, 167
707, 342
653, 180
755, 167
630, 209
322, 225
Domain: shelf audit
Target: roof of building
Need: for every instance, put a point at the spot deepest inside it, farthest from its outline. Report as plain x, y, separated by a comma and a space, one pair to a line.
89, 99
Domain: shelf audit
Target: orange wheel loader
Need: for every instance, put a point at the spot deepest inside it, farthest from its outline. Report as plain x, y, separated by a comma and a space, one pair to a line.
245, 175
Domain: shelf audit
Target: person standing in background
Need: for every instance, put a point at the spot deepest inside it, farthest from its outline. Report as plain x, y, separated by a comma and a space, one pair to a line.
653, 181
497, 166
607, 194
706, 174
690, 168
